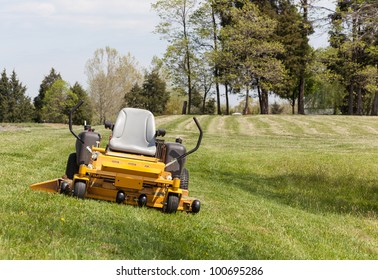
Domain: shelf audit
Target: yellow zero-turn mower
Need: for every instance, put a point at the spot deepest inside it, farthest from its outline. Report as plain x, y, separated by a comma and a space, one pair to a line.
135, 168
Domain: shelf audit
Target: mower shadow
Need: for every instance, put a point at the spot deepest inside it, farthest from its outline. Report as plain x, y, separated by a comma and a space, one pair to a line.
312, 193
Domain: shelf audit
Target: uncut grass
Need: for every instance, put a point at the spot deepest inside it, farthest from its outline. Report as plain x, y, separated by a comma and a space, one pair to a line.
265, 194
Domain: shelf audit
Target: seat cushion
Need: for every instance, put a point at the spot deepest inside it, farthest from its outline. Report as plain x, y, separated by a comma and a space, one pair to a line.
134, 132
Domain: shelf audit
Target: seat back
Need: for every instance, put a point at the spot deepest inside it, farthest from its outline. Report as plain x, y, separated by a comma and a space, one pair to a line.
134, 132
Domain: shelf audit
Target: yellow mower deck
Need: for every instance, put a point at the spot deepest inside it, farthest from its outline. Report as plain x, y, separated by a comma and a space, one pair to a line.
133, 175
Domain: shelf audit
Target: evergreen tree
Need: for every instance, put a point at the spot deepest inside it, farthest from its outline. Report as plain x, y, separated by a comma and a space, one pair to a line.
251, 51
4, 92
151, 96
135, 98
15, 106
154, 90
46, 84
289, 33
354, 39
20, 108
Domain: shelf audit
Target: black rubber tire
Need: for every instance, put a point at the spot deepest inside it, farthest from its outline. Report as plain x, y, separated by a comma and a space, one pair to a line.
172, 204
196, 206
184, 179
79, 189
72, 168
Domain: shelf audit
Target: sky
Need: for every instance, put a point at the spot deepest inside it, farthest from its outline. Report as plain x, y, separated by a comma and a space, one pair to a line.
36, 35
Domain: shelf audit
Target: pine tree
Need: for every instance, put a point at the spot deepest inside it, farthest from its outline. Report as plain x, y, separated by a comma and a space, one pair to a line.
4, 91
354, 39
151, 96
154, 90
289, 33
20, 108
135, 98
15, 106
251, 51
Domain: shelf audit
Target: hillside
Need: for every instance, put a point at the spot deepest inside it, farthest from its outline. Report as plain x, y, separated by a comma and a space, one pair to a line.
271, 187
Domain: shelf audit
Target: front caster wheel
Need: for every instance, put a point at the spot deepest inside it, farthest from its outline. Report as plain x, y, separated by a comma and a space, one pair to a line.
172, 204
79, 189
196, 206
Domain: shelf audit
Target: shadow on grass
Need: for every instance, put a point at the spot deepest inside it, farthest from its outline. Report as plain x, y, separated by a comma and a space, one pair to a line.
313, 193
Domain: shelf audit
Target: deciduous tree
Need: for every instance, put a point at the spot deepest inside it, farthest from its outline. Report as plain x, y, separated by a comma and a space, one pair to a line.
43, 88
110, 76
58, 101
177, 28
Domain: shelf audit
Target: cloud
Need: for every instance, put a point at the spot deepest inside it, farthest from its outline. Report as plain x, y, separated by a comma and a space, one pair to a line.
27, 8
98, 14
110, 7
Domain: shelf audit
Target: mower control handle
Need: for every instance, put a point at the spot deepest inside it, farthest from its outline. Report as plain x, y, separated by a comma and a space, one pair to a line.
70, 120
198, 141
192, 150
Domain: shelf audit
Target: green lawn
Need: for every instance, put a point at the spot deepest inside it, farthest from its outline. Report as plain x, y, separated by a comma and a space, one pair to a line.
271, 187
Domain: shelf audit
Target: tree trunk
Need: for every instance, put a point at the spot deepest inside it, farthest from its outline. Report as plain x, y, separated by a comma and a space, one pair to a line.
301, 94
374, 110
265, 102
204, 102
350, 100
187, 62
246, 108
260, 98
216, 68
304, 45
359, 101
293, 103
227, 104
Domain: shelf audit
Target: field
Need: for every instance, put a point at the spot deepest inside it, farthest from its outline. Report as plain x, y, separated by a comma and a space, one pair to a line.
271, 187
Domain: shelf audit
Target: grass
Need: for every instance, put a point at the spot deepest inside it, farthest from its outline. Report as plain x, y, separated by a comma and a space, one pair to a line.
271, 187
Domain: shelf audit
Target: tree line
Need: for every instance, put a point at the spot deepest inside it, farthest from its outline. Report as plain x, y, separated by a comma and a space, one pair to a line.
262, 47
217, 48
53, 103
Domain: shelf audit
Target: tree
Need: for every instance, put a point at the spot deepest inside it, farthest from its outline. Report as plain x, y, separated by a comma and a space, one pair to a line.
176, 26
58, 101
84, 112
15, 106
250, 48
151, 96
135, 97
4, 92
289, 32
306, 30
206, 29
110, 76
354, 37
43, 88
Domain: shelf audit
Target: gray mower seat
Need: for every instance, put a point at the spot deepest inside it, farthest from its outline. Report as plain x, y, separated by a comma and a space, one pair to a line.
134, 132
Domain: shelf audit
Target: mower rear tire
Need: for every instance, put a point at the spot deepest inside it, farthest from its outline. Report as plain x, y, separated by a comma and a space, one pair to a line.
172, 204
184, 179
79, 189
72, 168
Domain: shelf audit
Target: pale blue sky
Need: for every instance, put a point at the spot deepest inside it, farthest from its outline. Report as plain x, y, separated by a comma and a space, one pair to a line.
39, 34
